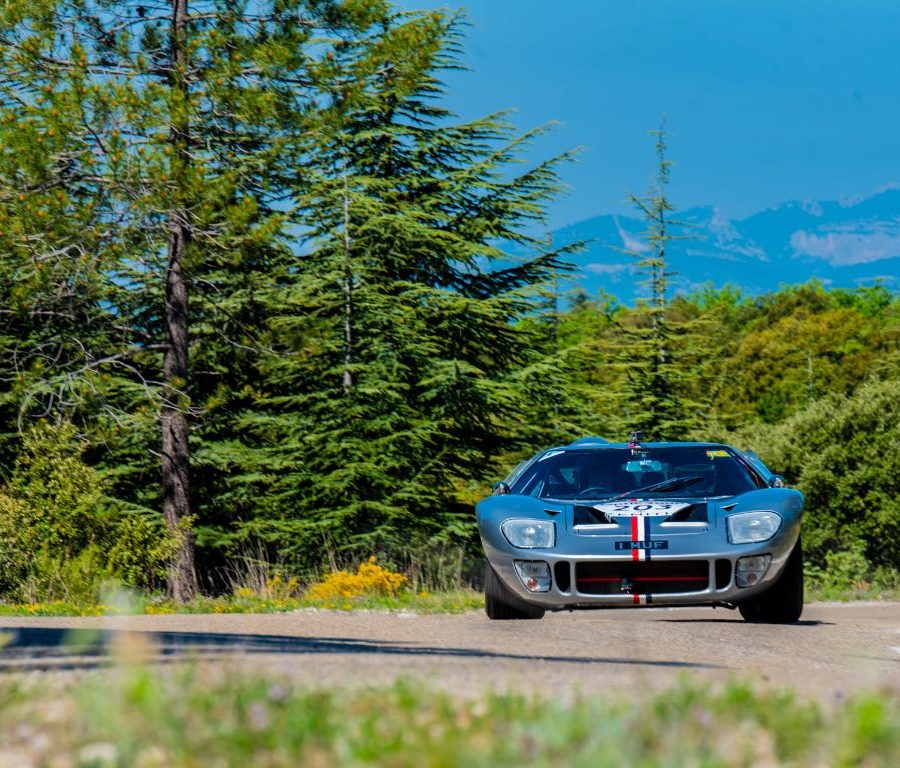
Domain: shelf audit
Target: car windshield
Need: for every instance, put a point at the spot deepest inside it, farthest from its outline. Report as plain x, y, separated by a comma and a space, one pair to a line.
683, 471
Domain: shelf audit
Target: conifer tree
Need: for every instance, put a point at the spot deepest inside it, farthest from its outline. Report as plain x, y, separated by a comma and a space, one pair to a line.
394, 383
162, 128
652, 402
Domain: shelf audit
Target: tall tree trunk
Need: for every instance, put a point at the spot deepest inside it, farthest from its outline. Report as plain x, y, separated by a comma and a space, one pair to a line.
176, 452
348, 290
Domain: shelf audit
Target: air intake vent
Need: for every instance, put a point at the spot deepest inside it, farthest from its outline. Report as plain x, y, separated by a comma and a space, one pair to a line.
563, 575
723, 573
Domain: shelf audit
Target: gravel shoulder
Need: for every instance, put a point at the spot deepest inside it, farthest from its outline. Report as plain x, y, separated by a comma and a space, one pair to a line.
835, 650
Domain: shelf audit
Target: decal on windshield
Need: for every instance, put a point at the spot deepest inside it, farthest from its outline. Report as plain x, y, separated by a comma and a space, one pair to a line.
717, 454
640, 508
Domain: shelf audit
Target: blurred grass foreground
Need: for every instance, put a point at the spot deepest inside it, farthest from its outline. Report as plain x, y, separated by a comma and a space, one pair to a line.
133, 715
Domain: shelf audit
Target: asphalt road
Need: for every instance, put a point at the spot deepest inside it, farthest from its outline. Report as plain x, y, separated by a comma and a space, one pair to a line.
833, 651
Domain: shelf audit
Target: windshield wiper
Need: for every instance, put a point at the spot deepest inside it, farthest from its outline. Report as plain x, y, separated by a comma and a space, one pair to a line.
672, 484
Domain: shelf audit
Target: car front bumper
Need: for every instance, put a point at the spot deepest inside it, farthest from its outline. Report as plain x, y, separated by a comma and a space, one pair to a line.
598, 581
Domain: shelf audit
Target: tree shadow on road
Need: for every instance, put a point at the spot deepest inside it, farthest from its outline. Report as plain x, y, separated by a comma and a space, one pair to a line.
45, 648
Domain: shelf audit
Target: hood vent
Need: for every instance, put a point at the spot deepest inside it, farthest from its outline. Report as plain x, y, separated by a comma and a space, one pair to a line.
696, 513
585, 515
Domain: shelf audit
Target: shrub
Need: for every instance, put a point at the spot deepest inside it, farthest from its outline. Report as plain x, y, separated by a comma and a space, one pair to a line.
369, 579
57, 539
845, 570
58, 493
14, 554
842, 453
139, 551
48, 517
76, 580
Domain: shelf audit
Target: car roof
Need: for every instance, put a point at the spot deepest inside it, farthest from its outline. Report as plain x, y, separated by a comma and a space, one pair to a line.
601, 444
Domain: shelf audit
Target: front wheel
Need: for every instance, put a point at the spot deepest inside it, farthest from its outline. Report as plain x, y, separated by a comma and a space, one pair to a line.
782, 603
500, 604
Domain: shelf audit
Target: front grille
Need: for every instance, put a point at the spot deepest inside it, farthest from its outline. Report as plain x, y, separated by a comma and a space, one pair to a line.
658, 577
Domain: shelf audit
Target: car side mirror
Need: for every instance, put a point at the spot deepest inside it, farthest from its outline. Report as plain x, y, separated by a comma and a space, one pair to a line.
500, 489
777, 481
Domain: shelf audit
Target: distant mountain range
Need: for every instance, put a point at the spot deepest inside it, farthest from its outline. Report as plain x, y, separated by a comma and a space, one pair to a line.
846, 243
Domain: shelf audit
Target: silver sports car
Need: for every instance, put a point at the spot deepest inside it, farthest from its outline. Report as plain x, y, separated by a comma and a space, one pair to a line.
597, 524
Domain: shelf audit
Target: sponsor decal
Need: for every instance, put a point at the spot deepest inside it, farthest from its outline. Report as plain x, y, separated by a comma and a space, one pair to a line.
637, 508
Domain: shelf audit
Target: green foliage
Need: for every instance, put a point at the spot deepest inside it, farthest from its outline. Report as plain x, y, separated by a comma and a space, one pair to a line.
798, 358
397, 359
842, 453
640, 360
61, 491
846, 566
844, 570
648, 357
140, 550
48, 512
374, 330
455, 601
58, 539
76, 579
144, 157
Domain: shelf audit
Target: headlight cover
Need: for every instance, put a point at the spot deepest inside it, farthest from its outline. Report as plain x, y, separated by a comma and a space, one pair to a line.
752, 527
529, 534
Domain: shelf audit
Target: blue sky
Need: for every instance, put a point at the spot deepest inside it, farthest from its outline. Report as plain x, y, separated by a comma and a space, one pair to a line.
767, 100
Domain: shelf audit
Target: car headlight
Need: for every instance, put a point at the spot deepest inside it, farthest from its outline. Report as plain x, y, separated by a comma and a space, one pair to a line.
751, 527
529, 534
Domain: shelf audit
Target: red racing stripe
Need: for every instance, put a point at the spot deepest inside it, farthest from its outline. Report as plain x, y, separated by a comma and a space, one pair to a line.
635, 536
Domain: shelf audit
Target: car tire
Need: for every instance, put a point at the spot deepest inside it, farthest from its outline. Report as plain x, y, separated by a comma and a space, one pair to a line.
782, 603
501, 605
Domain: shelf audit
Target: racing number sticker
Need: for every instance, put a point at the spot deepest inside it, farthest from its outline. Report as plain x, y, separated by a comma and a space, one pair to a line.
641, 508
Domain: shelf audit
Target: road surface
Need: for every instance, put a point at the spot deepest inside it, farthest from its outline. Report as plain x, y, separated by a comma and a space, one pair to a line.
833, 651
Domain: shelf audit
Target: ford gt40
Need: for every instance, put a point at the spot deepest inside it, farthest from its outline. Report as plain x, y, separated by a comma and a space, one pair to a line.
597, 524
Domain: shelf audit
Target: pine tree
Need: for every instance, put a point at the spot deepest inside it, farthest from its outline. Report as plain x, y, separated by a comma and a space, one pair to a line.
50, 246
651, 399
164, 125
394, 386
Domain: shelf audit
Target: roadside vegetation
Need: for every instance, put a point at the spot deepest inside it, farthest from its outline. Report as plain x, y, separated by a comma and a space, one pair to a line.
184, 717
371, 588
263, 292
66, 537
